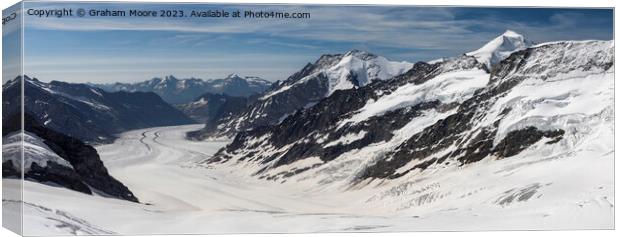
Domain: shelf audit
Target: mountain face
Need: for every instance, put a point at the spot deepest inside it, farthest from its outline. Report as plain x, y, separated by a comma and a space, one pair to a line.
541, 102
500, 48
90, 114
329, 74
182, 91
212, 107
52, 157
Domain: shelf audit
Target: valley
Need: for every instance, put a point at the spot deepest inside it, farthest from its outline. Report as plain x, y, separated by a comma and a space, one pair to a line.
181, 194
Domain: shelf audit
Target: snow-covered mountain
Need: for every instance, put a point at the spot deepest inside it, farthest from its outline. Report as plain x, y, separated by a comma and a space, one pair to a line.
546, 102
52, 158
330, 73
353, 69
500, 48
90, 114
181, 91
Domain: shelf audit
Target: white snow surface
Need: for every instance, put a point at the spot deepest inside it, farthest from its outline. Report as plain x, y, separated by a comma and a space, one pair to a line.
454, 86
35, 151
347, 139
366, 67
500, 48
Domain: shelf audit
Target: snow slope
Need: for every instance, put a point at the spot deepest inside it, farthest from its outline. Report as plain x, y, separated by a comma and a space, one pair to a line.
35, 151
573, 92
450, 87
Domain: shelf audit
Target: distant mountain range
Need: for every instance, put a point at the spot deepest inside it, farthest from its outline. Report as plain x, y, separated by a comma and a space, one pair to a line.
90, 114
182, 91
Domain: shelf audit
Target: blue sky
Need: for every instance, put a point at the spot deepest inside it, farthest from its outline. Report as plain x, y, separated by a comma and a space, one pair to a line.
105, 50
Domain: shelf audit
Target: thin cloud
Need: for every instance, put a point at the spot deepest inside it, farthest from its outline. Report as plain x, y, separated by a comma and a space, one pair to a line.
216, 45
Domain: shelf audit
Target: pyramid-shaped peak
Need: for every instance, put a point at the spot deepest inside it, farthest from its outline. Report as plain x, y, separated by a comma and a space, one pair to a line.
510, 33
500, 48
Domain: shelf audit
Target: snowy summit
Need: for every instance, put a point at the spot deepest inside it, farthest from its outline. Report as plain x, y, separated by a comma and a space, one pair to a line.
501, 47
364, 67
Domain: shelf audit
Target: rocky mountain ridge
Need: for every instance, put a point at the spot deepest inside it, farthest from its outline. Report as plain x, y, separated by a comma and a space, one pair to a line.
450, 113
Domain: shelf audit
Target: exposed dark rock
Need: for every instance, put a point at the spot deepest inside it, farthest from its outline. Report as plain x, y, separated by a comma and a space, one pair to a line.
87, 113
88, 169
9, 170
518, 140
58, 174
212, 107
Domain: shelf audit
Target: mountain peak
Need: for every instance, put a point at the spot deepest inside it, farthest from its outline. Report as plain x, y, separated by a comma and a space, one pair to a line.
359, 54
233, 76
500, 48
364, 67
170, 78
510, 33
